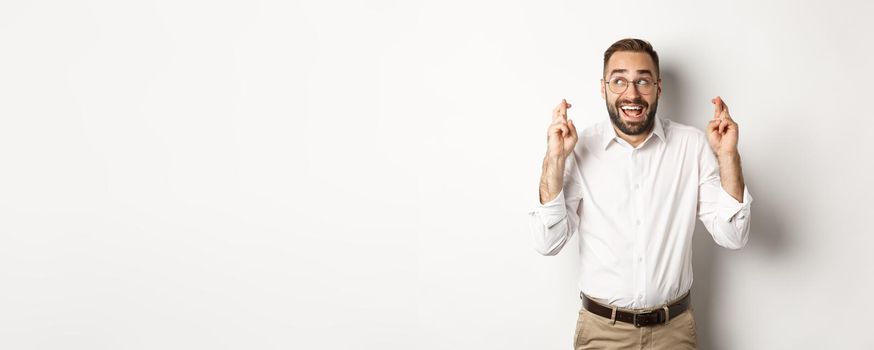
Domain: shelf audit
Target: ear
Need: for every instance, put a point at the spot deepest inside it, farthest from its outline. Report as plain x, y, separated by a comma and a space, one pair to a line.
603, 91
659, 88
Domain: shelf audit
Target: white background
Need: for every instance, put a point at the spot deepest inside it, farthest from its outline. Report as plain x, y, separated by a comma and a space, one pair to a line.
356, 174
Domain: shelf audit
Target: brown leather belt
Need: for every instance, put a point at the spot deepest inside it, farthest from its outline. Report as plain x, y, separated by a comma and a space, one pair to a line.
640, 319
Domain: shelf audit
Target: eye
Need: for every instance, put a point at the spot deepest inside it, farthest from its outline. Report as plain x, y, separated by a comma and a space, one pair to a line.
619, 81
644, 82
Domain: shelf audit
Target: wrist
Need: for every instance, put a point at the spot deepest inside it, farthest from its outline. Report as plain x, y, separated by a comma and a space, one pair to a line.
728, 155
554, 159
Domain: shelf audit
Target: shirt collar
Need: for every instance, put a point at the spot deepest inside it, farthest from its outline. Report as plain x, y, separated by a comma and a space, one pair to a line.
609, 133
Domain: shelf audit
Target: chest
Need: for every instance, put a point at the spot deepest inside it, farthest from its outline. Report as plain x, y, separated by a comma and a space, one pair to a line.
619, 177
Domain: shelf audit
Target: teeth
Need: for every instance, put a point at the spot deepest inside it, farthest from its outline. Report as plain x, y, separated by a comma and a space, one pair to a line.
631, 107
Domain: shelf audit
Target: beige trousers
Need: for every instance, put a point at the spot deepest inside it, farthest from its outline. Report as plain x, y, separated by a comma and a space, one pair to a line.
596, 332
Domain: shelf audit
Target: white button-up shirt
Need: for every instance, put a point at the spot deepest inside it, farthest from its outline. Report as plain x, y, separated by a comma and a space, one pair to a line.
635, 211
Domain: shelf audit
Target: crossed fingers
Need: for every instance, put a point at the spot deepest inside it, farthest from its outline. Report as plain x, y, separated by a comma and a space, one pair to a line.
721, 118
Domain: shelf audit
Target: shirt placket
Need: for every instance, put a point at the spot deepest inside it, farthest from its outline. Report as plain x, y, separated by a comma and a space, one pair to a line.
639, 261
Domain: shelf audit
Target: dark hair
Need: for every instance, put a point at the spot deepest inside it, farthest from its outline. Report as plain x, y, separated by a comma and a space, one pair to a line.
633, 45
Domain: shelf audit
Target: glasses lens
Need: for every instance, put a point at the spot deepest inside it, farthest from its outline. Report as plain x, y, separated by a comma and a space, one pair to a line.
618, 85
644, 86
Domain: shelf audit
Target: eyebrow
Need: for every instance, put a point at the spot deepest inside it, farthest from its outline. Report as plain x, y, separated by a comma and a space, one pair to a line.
639, 71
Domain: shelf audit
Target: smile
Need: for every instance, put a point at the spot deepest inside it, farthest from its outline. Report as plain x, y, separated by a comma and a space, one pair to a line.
632, 111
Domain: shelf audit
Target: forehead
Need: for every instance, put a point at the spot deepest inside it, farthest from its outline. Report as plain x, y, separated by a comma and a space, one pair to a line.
631, 62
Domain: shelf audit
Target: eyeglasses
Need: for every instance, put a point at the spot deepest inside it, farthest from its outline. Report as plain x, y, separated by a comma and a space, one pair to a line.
619, 85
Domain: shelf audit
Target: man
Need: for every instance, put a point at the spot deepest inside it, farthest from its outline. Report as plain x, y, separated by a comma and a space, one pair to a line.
632, 186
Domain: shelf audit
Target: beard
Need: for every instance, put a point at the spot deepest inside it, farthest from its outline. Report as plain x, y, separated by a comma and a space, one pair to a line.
633, 128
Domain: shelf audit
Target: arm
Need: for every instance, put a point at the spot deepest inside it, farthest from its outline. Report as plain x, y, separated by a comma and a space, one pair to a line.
723, 201
731, 174
561, 139
549, 221
553, 223
725, 217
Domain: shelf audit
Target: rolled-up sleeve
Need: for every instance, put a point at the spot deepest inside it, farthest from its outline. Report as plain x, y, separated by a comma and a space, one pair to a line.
727, 220
553, 223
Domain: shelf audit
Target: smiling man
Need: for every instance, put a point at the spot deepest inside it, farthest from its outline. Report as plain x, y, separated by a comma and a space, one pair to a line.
632, 187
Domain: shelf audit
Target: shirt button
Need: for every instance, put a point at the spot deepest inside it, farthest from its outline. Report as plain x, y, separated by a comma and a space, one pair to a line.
639, 259
636, 186
638, 222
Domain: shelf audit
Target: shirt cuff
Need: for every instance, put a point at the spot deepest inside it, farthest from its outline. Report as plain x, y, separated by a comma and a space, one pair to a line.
729, 208
551, 212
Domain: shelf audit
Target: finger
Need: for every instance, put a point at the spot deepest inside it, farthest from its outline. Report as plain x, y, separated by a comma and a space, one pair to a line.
555, 129
722, 125
724, 108
558, 112
573, 129
555, 125
565, 129
560, 125
559, 109
712, 125
715, 102
563, 109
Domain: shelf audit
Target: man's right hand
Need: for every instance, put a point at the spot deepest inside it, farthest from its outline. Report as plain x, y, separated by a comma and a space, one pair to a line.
562, 134
562, 137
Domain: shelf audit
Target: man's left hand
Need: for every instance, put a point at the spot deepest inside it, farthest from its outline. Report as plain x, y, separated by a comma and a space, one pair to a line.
722, 130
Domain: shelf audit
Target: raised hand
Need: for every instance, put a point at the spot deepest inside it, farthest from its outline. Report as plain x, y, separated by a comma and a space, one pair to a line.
722, 131
562, 134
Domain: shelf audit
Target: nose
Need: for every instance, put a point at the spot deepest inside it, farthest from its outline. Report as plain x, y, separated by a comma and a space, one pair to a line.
632, 90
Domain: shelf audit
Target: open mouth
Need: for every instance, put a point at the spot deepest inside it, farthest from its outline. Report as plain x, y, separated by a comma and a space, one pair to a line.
632, 111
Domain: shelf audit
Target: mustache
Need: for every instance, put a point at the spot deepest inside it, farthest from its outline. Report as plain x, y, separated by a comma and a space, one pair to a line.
637, 101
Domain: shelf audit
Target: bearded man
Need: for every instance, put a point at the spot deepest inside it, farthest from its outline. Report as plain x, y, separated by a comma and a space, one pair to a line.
632, 187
